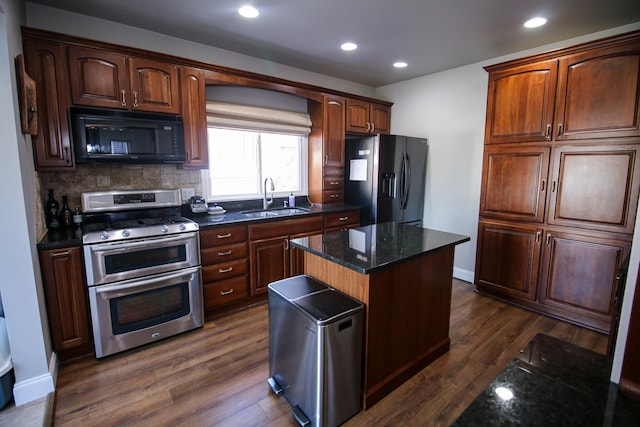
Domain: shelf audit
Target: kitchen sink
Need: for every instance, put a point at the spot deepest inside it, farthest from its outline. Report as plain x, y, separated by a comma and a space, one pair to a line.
269, 213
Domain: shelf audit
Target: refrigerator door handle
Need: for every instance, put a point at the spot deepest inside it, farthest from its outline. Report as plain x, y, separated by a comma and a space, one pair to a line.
406, 180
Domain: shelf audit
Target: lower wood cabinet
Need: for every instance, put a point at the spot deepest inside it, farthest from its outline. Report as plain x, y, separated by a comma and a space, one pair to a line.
569, 274
66, 295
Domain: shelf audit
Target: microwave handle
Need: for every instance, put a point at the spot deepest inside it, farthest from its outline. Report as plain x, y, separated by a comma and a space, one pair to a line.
141, 243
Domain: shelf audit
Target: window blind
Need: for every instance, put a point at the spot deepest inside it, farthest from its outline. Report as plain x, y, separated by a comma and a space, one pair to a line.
236, 116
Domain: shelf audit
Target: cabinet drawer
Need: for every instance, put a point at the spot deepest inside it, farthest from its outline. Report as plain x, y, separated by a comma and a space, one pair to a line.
333, 196
226, 253
336, 171
285, 228
224, 270
223, 235
225, 291
341, 219
333, 183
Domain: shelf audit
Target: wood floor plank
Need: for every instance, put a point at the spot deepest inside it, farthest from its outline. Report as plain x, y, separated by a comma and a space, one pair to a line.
217, 375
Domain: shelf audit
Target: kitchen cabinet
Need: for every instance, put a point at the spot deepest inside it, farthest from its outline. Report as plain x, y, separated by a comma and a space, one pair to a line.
66, 297
326, 149
194, 117
46, 63
101, 78
269, 249
581, 94
560, 180
367, 117
224, 256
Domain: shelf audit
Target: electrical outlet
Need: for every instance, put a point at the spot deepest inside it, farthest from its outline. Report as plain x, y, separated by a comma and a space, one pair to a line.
187, 193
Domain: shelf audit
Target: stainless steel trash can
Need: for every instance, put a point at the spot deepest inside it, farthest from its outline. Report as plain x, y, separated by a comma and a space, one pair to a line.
315, 350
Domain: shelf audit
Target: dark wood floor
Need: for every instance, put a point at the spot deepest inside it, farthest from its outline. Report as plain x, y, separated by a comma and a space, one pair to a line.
216, 376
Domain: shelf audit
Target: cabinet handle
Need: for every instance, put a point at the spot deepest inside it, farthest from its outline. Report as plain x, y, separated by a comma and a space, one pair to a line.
333, 196
229, 252
538, 234
286, 245
223, 293
548, 239
225, 270
187, 156
559, 129
334, 182
223, 236
343, 218
553, 186
373, 127
59, 254
135, 99
65, 156
124, 99
547, 132
543, 184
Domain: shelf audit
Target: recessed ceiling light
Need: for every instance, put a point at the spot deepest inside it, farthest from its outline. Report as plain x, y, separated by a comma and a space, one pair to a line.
248, 11
349, 46
400, 64
535, 22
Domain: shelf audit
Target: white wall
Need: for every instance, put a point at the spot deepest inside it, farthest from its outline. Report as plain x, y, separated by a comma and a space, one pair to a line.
449, 109
20, 283
51, 19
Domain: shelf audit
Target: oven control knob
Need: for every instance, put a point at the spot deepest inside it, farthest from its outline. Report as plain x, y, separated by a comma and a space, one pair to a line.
126, 233
164, 229
182, 227
104, 235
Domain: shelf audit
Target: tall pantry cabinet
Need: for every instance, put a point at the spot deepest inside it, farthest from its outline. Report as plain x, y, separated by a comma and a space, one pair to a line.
561, 179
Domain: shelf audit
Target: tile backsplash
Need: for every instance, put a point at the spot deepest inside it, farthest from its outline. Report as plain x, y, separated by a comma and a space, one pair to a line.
115, 177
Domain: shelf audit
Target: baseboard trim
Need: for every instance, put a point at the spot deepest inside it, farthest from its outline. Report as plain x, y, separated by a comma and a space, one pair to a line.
36, 387
461, 274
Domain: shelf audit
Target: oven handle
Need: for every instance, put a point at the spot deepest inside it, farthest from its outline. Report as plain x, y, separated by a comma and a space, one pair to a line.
129, 244
144, 283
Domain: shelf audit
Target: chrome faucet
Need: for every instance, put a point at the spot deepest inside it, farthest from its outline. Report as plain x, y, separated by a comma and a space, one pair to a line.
266, 203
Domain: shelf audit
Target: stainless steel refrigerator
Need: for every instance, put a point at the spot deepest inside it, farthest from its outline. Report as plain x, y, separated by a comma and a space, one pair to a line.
385, 176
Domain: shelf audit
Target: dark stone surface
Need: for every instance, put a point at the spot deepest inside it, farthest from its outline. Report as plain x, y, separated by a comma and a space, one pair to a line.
554, 383
366, 249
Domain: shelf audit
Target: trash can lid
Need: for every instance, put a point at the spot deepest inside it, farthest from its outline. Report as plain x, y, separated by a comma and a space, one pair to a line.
328, 306
295, 287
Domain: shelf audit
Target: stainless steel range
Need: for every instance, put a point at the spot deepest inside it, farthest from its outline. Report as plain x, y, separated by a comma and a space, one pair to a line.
142, 262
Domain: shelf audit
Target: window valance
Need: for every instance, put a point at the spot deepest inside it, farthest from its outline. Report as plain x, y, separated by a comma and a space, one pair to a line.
236, 116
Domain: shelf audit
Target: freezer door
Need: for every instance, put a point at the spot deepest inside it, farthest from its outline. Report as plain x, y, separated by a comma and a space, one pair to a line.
413, 173
390, 153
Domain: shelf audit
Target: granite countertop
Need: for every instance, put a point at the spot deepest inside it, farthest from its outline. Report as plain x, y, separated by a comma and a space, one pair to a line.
372, 247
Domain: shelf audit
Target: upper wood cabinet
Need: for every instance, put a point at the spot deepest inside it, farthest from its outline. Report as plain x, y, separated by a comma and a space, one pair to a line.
108, 79
194, 117
46, 63
593, 93
520, 103
514, 183
367, 117
599, 94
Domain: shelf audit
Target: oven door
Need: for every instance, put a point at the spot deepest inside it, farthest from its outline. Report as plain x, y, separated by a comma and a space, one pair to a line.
135, 312
113, 262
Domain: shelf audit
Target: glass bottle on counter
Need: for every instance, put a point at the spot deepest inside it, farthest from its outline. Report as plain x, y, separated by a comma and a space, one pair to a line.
52, 211
77, 217
66, 215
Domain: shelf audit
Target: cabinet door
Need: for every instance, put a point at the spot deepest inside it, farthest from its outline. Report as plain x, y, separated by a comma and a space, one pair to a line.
514, 183
296, 256
520, 103
194, 117
334, 131
508, 259
595, 187
269, 262
579, 276
380, 118
599, 93
154, 86
46, 63
357, 116
98, 78
66, 299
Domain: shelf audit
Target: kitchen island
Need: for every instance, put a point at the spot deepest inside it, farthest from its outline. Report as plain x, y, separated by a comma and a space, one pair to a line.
403, 276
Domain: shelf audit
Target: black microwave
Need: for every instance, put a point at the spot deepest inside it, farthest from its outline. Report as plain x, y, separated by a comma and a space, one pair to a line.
126, 136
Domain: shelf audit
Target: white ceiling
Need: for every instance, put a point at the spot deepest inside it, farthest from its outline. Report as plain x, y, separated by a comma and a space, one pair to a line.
431, 35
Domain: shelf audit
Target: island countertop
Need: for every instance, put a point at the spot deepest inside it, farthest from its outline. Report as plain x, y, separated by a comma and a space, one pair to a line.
372, 247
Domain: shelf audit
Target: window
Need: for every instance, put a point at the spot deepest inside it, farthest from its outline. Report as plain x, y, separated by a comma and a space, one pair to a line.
240, 161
